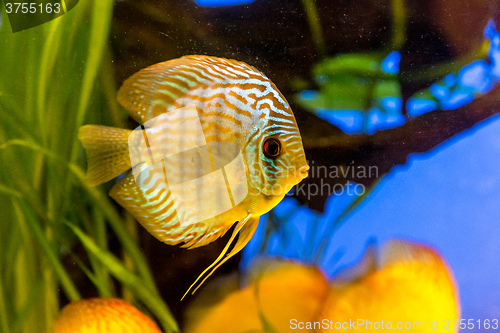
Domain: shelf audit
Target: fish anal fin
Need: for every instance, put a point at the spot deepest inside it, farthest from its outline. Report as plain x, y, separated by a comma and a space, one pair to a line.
246, 229
154, 211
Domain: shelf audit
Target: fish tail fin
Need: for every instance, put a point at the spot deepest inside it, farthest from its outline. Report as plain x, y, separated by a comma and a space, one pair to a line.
107, 152
247, 227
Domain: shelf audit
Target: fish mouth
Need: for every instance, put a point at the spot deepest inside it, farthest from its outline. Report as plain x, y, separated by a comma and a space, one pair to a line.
303, 172
292, 179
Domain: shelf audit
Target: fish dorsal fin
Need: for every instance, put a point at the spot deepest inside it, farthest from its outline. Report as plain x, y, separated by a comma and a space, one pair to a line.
400, 252
367, 265
153, 90
246, 228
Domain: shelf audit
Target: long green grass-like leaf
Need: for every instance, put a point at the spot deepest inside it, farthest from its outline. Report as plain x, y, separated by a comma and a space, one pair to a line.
100, 201
117, 224
10, 191
96, 228
147, 295
109, 88
97, 42
101, 271
28, 307
315, 25
47, 63
4, 315
10, 118
398, 24
23, 280
103, 292
66, 282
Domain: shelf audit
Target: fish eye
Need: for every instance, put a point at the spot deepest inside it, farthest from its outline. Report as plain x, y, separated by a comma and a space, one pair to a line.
272, 148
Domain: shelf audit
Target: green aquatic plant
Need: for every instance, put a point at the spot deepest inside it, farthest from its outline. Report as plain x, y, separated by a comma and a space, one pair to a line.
54, 78
351, 81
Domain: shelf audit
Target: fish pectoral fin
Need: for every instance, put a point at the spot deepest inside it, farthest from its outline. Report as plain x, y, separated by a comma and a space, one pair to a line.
107, 152
246, 229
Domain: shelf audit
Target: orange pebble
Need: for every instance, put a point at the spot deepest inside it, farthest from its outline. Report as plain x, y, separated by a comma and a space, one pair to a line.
103, 315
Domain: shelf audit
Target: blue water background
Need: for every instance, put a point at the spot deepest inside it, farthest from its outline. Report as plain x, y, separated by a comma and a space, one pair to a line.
448, 198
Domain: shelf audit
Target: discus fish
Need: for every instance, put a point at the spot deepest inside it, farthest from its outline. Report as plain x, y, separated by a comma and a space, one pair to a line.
411, 284
279, 292
237, 106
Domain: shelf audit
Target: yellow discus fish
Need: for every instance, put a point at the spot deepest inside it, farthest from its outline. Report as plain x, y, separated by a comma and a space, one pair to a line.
218, 143
409, 288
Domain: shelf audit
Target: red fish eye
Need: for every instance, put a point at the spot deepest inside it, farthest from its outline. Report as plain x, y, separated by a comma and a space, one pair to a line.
272, 148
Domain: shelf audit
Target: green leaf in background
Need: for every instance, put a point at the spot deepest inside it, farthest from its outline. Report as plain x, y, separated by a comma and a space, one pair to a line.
355, 64
350, 82
31, 13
